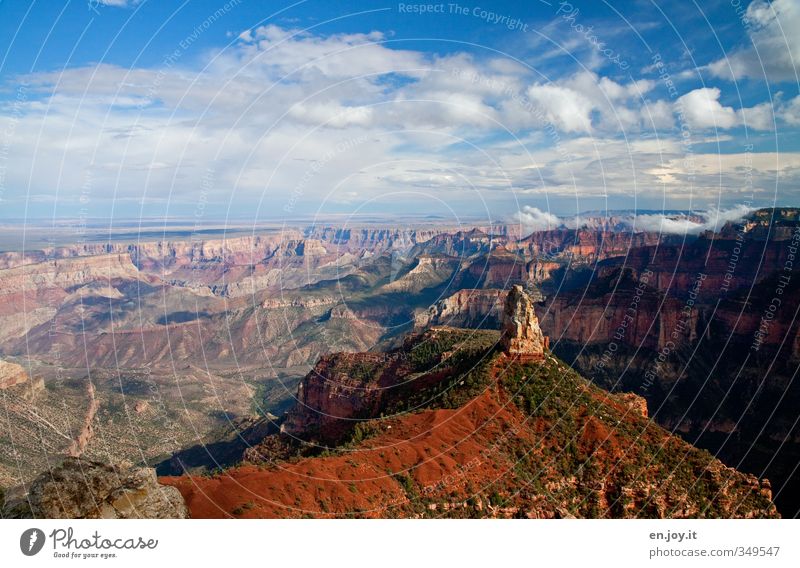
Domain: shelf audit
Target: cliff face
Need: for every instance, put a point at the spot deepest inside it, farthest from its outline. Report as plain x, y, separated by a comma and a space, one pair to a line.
66, 273
624, 308
152, 254
459, 244
230, 267
340, 389
473, 308
31, 294
585, 244
727, 264
373, 239
491, 437
497, 269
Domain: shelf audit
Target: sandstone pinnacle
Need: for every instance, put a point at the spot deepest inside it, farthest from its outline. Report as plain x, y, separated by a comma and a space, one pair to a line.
521, 333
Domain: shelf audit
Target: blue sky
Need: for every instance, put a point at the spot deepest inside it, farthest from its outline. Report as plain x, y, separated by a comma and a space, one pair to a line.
276, 109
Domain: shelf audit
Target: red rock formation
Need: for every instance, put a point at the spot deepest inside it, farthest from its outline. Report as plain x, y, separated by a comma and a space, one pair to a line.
498, 269
439, 462
344, 388
336, 392
727, 264
585, 245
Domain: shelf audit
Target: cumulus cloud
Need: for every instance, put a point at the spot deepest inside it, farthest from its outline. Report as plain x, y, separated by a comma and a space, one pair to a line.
533, 219
759, 117
774, 47
585, 102
569, 110
702, 109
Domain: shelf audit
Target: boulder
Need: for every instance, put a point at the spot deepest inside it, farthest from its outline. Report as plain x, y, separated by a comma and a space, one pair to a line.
11, 374
83, 489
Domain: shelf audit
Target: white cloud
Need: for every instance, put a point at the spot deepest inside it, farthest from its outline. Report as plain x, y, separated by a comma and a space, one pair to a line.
569, 110
774, 47
533, 219
266, 112
299, 53
713, 220
759, 117
331, 114
657, 115
790, 112
702, 109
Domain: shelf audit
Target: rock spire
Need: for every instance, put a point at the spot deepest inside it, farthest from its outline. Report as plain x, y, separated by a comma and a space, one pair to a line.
522, 336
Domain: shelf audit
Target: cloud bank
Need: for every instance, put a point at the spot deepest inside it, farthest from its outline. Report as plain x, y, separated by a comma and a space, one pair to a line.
532, 219
714, 219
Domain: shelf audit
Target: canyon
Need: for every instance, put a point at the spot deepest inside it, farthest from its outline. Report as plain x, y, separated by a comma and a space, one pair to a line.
188, 355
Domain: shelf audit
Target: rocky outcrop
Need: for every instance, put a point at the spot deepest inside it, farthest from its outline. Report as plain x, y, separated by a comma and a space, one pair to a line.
345, 388
11, 374
521, 335
540, 270
84, 489
635, 402
86, 432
